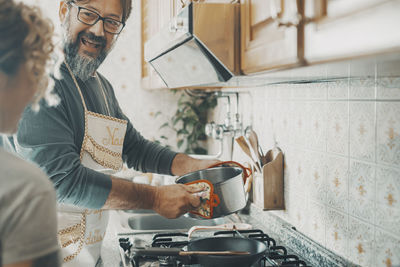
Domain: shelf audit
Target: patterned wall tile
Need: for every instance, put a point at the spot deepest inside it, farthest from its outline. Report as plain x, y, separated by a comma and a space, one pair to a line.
299, 91
387, 252
388, 80
337, 232
316, 177
284, 92
299, 212
361, 242
338, 127
317, 91
283, 132
300, 171
362, 88
316, 224
289, 169
290, 201
362, 130
388, 88
337, 183
388, 130
299, 123
388, 199
316, 126
362, 190
338, 89
271, 91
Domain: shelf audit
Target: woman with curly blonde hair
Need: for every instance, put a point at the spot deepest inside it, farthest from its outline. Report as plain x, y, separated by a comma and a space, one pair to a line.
28, 225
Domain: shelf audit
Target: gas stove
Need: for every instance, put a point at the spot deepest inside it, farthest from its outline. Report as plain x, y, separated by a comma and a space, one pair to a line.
131, 247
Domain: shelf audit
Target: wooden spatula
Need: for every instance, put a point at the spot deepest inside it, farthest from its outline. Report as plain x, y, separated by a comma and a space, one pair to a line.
246, 149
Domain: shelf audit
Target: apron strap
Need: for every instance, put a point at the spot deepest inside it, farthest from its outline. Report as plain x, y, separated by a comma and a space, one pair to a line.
77, 85
104, 95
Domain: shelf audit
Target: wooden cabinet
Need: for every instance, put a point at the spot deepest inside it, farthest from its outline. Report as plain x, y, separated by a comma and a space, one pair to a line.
155, 15
342, 29
271, 34
284, 34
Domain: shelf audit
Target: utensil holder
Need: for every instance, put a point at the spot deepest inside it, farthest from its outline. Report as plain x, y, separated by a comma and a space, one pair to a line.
268, 187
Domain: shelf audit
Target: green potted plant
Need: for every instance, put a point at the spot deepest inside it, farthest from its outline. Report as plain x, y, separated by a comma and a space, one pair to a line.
190, 119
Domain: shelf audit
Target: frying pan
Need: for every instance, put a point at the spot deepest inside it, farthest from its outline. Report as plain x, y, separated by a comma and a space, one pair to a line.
256, 250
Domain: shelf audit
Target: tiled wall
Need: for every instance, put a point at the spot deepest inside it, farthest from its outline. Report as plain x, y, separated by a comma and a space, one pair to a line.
341, 141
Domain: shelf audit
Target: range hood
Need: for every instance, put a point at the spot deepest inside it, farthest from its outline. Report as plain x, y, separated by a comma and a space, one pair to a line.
199, 46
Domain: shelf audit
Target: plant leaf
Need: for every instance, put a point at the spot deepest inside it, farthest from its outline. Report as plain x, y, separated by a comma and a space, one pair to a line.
166, 124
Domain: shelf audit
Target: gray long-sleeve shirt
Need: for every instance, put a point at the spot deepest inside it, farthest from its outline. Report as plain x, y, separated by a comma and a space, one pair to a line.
53, 137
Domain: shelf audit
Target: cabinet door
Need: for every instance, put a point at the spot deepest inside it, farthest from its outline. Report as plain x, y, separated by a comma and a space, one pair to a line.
270, 34
155, 14
342, 29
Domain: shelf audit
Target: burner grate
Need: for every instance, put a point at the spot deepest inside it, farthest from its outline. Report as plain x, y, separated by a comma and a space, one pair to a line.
276, 255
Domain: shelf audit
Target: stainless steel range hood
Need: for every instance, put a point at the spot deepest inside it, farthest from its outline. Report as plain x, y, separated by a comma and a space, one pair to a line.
199, 47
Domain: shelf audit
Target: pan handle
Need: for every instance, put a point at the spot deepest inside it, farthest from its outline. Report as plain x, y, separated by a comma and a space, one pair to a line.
246, 171
226, 226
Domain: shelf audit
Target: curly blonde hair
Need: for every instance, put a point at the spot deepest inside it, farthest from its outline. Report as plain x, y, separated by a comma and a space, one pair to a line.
26, 38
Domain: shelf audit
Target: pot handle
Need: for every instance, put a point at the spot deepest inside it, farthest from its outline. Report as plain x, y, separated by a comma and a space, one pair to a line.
247, 171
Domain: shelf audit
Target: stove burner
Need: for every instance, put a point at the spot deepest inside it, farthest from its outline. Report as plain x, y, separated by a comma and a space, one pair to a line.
167, 261
275, 256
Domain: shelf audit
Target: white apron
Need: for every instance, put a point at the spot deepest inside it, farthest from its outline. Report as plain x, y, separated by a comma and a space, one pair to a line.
81, 231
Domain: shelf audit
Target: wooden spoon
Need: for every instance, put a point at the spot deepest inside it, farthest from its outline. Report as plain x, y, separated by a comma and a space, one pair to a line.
246, 149
253, 139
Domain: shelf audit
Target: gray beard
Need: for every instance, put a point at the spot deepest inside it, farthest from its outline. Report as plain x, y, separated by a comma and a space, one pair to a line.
81, 66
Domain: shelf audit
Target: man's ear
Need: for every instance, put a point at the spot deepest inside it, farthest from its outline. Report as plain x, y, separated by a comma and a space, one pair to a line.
62, 13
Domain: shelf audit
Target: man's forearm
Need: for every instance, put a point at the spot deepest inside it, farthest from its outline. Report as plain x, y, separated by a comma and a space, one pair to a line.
127, 195
183, 164
170, 201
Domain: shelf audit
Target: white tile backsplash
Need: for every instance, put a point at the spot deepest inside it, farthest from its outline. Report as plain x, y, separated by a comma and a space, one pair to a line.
341, 141
338, 128
387, 249
362, 130
362, 88
388, 133
362, 190
337, 231
361, 242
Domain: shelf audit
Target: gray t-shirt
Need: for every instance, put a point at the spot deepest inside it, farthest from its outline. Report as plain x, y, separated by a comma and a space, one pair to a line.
53, 138
28, 222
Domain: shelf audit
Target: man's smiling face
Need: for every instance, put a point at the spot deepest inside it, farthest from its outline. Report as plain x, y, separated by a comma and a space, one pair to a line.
86, 46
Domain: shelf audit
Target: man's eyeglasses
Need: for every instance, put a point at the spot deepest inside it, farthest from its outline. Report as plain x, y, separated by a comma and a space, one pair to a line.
90, 17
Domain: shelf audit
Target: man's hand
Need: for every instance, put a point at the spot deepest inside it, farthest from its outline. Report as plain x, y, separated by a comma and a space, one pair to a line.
171, 201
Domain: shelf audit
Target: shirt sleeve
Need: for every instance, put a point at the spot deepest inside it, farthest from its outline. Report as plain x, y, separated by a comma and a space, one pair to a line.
138, 152
27, 235
47, 138
144, 155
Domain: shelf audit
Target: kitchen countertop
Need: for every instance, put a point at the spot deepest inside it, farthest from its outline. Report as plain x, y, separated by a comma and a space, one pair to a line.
276, 228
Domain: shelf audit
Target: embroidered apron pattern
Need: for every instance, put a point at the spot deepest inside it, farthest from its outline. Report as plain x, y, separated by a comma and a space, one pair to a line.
81, 231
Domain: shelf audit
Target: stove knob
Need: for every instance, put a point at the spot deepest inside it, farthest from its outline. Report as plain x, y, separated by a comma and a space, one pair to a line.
125, 244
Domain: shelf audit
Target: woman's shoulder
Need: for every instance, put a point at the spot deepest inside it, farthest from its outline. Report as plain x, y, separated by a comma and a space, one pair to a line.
19, 175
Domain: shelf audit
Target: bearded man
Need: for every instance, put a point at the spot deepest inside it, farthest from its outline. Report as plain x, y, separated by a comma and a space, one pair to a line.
86, 138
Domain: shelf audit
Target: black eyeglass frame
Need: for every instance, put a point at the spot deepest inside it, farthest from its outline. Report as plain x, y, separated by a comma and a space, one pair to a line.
99, 17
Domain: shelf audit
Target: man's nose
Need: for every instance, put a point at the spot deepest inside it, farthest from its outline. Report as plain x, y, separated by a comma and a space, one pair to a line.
98, 28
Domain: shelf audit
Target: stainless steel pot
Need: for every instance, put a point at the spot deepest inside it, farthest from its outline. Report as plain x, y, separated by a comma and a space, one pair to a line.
228, 183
